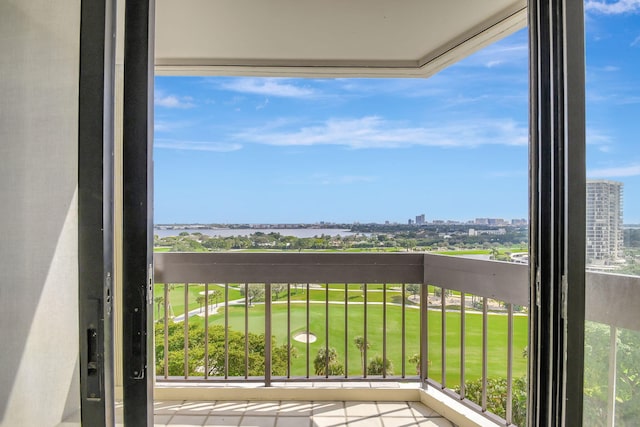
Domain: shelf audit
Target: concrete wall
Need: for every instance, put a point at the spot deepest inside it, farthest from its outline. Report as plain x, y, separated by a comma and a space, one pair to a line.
39, 41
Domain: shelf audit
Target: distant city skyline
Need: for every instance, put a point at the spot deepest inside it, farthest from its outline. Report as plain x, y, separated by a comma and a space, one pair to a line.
453, 146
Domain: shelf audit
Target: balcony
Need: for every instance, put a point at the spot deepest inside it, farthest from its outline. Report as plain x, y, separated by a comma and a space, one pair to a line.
360, 309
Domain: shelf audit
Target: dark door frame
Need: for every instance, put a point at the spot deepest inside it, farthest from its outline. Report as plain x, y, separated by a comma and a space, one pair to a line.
557, 202
137, 231
95, 210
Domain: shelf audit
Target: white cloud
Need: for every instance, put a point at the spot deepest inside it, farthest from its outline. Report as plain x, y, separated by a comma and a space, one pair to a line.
613, 8
611, 68
268, 87
601, 140
172, 101
374, 132
615, 172
636, 42
196, 145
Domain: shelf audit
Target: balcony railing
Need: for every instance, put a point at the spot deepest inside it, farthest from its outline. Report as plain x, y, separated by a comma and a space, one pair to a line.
463, 324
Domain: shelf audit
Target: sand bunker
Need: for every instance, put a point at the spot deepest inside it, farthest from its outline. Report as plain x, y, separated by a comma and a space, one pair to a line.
304, 337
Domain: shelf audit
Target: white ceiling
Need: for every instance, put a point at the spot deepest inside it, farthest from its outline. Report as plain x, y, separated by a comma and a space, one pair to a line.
326, 37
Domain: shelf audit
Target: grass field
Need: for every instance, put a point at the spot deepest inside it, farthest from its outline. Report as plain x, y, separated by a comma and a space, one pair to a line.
497, 337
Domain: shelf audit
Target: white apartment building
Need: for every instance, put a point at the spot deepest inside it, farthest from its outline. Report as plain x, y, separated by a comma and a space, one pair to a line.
604, 221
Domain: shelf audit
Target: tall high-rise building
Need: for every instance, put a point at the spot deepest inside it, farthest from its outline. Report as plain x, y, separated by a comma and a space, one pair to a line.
604, 221
420, 219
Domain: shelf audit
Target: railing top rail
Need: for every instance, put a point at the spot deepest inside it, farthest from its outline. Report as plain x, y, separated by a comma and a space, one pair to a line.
610, 298
288, 267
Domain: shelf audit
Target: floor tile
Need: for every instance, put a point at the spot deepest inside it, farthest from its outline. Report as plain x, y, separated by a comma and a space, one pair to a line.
435, 422
361, 409
295, 408
420, 410
318, 421
293, 422
167, 407
258, 421
395, 409
262, 408
399, 422
223, 420
371, 421
228, 408
329, 409
161, 420
196, 408
187, 420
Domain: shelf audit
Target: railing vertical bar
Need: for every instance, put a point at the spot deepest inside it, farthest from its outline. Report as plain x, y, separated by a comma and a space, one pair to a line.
613, 373
346, 330
206, 331
509, 412
366, 344
424, 334
326, 330
246, 330
226, 331
443, 335
288, 330
307, 331
485, 367
404, 330
166, 331
267, 334
384, 330
463, 317
186, 330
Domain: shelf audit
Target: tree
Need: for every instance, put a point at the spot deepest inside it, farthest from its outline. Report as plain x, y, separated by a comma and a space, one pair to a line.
200, 299
415, 359
376, 366
497, 397
494, 253
320, 363
215, 294
414, 288
277, 288
254, 292
361, 343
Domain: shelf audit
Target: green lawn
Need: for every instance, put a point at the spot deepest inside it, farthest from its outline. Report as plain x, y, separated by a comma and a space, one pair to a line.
497, 337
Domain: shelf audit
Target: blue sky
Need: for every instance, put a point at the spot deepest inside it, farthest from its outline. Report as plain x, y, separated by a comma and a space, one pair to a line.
453, 146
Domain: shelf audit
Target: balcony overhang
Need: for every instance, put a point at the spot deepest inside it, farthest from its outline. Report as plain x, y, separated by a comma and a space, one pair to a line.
333, 38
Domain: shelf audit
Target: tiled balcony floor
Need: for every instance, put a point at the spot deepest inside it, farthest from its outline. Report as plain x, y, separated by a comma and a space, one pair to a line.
296, 414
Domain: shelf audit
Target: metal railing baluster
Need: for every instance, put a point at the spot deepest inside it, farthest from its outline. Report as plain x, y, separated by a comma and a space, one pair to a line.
443, 335
226, 331
346, 330
384, 331
267, 334
326, 330
364, 367
462, 344
288, 330
246, 330
485, 367
404, 333
307, 331
186, 330
206, 331
166, 330
509, 412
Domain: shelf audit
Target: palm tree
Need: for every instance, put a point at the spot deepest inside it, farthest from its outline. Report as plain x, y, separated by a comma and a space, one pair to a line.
320, 363
376, 366
215, 294
200, 299
361, 343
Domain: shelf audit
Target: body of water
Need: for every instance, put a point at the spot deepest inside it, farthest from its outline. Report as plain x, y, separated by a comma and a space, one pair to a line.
227, 232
